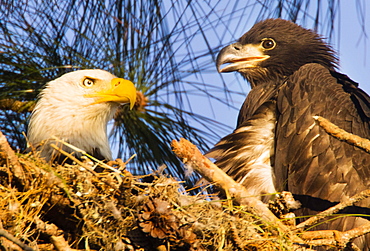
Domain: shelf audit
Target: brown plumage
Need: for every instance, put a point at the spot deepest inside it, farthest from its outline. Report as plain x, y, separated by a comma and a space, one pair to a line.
277, 145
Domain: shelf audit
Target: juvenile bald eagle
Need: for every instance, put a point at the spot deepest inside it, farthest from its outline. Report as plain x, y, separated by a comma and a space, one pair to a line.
76, 107
277, 145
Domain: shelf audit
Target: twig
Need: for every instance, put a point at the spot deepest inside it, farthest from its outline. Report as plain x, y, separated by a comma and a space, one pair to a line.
60, 243
70, 156
54, 233
341, 134
190, 155
84, 153
6, 152
121, 165
334, 237
329, 212
17, 105
356, 232
10, 237
49, 229
83, 165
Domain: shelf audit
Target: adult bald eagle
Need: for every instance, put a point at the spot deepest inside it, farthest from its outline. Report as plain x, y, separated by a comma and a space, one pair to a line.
76, 107
277, 145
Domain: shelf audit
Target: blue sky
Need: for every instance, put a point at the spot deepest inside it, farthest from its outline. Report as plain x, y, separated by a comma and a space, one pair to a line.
354, 48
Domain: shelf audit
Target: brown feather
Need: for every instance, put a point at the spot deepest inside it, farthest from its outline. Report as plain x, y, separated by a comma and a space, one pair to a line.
296, 82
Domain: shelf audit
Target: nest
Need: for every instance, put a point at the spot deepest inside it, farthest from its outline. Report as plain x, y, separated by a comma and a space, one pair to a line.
72, 207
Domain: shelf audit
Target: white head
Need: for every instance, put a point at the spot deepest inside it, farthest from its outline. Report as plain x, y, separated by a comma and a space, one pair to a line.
76, 107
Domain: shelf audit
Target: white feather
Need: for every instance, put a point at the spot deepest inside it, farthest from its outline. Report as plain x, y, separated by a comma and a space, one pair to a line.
64, 112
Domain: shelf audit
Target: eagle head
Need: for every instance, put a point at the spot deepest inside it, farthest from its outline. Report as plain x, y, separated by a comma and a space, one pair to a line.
272, 50
76, 107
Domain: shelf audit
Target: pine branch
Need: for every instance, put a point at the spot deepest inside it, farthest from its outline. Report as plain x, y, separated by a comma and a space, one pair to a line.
16, 105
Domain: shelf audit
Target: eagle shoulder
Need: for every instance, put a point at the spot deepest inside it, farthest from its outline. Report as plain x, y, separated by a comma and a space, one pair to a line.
307, 159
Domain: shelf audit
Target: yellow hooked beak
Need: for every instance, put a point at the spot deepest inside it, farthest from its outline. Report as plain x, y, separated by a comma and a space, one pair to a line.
121, 91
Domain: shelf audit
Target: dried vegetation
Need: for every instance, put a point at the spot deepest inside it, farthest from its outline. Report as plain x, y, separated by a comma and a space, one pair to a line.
73, 207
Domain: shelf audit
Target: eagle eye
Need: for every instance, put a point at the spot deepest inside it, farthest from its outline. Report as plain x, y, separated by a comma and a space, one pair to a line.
88, 82
268, 43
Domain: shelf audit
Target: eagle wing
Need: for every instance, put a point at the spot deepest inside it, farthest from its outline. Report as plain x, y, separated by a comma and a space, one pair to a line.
317, 168
309, 161
278, 146
247, 154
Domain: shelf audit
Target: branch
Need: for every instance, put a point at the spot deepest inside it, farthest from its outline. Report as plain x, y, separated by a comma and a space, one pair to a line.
16, 105
60, 243
341, 134
54, 233
10, 237
48, 229
329, 212
101, 163
334, 237
7, 153
356, 232
190, 155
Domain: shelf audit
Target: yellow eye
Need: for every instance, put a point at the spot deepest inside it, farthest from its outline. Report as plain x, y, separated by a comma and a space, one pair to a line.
88, 82
268, 43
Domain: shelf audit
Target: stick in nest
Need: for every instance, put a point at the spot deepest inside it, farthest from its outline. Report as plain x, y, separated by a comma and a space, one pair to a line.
334, 237
6, 152
10, 237
190, 155
329, 212
101, 163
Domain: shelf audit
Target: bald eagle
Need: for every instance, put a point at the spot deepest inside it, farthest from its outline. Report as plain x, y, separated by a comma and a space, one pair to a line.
77, 107
276, 145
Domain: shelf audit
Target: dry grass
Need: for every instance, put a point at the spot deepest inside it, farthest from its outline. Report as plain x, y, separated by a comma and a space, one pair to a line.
46, 206
67, 207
